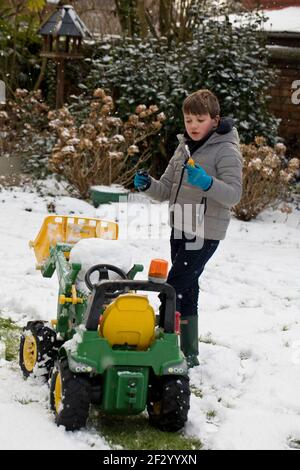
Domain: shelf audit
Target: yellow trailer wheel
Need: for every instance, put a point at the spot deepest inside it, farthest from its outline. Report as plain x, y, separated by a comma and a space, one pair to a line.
58, 393
30, 353
38, 349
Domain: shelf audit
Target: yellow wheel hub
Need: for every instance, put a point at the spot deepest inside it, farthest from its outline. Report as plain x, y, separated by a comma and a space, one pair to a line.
30, 352
57, 393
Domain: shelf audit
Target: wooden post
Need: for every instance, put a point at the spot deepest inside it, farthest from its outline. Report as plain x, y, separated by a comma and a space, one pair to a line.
60, 90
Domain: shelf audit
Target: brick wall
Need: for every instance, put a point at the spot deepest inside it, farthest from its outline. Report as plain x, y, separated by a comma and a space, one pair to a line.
288, 71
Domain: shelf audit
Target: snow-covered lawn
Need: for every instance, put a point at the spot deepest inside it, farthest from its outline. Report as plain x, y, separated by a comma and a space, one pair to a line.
246, 391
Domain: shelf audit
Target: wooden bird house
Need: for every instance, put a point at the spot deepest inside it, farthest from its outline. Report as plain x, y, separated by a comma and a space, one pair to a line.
63, 33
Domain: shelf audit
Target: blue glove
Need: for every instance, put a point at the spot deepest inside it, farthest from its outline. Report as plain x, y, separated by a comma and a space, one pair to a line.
142, 180
198, 177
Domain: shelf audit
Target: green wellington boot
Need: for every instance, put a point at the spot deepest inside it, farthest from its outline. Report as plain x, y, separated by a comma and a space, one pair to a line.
189, 341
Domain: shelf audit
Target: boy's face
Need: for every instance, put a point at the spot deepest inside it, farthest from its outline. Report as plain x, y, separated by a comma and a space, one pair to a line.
199, 125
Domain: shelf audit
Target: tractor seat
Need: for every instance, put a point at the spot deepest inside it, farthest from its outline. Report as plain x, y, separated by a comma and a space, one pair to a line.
129, 321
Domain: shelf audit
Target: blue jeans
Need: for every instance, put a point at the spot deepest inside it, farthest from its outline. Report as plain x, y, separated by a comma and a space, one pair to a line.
187, 267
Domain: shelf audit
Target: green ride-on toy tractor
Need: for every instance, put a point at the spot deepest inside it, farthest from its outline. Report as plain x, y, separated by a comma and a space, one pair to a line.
107, 346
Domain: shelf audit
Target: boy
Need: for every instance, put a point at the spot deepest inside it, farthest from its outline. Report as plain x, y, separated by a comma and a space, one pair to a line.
206, 169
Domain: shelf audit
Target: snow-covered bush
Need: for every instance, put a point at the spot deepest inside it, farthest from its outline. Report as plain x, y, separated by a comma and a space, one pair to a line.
267, 176
228, 60
94, 146
24, 131
136, 72
234, 63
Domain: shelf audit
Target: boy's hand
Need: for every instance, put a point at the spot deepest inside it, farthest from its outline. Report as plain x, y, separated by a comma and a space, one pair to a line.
142, 180
198, 177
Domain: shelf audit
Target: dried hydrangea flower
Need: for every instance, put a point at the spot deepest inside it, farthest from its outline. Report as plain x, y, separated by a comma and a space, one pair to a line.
255, 163
55, 124
280, 149
161, 117
3, 115
102, 140
116, 155
118, 139
113, 121
294, 164
132, 150
73, 141
272, 160
21, 93
99, 93
86, 144
95, 105
260, 140
68, 149
286, 209
133, 119
285, 177
140, 108
267, 172
65, 134
153, 108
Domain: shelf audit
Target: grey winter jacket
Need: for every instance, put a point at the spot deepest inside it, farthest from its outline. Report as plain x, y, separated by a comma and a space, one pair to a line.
221, 158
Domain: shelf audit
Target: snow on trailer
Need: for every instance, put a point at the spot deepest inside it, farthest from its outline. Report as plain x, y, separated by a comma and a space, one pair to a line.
69, 230
88, 252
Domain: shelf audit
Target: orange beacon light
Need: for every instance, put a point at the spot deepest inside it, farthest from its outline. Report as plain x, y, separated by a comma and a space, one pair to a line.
158, 271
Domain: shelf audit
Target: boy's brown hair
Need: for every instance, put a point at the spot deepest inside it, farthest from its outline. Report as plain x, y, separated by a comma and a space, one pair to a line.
201, 102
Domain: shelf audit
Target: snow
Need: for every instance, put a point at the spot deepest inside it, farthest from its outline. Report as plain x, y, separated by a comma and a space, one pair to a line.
246, 388
114, 188
89, 252
26, 419
283, 20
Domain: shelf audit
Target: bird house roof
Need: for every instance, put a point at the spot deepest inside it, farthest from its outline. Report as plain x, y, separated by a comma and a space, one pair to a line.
64, 22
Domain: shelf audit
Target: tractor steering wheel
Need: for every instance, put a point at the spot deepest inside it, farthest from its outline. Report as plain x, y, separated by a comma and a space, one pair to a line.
103, 270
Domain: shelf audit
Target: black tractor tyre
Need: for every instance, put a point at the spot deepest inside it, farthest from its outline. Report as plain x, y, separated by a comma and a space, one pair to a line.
169, 403
37, 358
71, 409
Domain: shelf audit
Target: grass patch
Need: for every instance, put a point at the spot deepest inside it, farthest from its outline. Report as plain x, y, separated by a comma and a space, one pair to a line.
211, 414
25, 401
245, 355
10, 336
196, 391
135, 433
